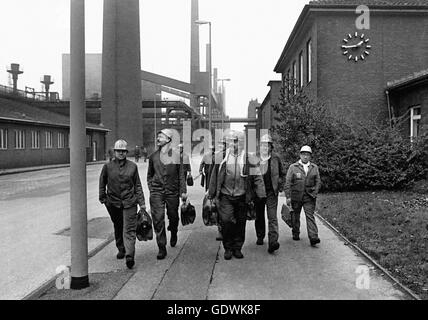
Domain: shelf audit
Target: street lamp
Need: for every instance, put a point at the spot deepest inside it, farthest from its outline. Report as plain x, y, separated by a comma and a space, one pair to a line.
223, 111
154, 101
200, 22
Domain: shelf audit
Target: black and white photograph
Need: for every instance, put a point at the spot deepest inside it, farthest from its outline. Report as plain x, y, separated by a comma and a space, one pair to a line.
215, 156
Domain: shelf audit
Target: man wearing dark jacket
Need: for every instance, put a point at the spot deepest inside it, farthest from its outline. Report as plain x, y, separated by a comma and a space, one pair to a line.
120, 190
232, 186
302, 184
271, 170
166, 182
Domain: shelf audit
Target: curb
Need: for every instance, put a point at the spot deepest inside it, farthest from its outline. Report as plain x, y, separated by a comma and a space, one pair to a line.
31, 169
37, 293
368, 257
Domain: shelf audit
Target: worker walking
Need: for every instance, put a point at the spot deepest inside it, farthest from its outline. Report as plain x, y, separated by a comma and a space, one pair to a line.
120, 191
233, 185
302, 184
166, 182
271, 170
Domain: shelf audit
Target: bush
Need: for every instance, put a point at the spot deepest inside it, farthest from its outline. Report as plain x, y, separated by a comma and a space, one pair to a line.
350, 156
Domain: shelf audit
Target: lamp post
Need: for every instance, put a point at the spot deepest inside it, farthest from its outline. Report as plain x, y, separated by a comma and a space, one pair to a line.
200, 22
223, 112
154, 101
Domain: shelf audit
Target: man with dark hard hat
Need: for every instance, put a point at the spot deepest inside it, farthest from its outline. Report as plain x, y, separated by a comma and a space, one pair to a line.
271, 170
166, 182
233, 183
120, 191
302, 184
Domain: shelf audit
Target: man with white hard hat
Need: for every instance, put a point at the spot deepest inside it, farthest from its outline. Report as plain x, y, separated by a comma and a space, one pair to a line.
166, 182
271, 170
120, 191
302, 184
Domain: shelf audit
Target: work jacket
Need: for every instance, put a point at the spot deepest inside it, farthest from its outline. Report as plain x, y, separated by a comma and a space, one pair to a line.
276, 173
250, 172
122, 181
166, 176
297, 183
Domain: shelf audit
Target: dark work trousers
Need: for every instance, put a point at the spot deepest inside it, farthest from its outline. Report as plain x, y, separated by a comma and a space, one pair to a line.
125, 226
308, 204
233, 217
271, 202
158, 201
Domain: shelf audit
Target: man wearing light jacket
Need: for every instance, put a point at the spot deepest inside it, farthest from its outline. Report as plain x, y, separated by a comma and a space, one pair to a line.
233, 184
302, 184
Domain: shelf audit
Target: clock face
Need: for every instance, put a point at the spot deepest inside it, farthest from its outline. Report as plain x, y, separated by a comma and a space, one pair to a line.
356, 47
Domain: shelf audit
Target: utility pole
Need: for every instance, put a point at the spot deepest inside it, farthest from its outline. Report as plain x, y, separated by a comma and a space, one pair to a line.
78, 201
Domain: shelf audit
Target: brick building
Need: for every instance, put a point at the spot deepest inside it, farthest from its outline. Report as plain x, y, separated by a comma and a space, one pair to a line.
30, 136
348, 69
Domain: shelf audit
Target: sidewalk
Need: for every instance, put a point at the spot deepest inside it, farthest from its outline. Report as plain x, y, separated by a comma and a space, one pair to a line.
45, 167
196, 270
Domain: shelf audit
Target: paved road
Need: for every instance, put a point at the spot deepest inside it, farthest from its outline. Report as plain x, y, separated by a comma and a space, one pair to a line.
34, 206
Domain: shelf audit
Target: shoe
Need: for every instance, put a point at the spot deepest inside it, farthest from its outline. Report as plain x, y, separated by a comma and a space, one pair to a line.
227, 254
296, 237
173, 240
120, 255
219, 236
272, 247
314, 241
238, 254
130, 262
162, 253
259, 241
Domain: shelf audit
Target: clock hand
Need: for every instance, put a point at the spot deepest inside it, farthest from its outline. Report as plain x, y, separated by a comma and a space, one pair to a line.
353, 46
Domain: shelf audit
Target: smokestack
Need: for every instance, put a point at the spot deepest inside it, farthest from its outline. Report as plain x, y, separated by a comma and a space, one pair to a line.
194, 47
121, 110
14, 70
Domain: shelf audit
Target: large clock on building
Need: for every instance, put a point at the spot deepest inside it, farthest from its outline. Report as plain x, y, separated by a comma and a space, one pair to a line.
356, 47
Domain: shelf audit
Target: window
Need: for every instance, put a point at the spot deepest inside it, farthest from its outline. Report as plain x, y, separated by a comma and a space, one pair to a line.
35, 139
61, 140
294, 77
415, 121
19, 139
88, 141
301, 69
3, 139
49, 140
309, 61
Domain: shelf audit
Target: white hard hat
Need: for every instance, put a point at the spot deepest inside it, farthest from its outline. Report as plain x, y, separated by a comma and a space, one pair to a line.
266, 138
237, 135
306, 149
167, 132
121, 145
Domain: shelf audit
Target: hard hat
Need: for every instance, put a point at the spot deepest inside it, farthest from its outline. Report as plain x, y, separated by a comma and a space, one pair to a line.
266, 138
120, 145
306, 149
167, 132
237, 135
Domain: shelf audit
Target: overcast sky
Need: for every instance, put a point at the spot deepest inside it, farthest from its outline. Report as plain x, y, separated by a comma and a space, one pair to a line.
247, 39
